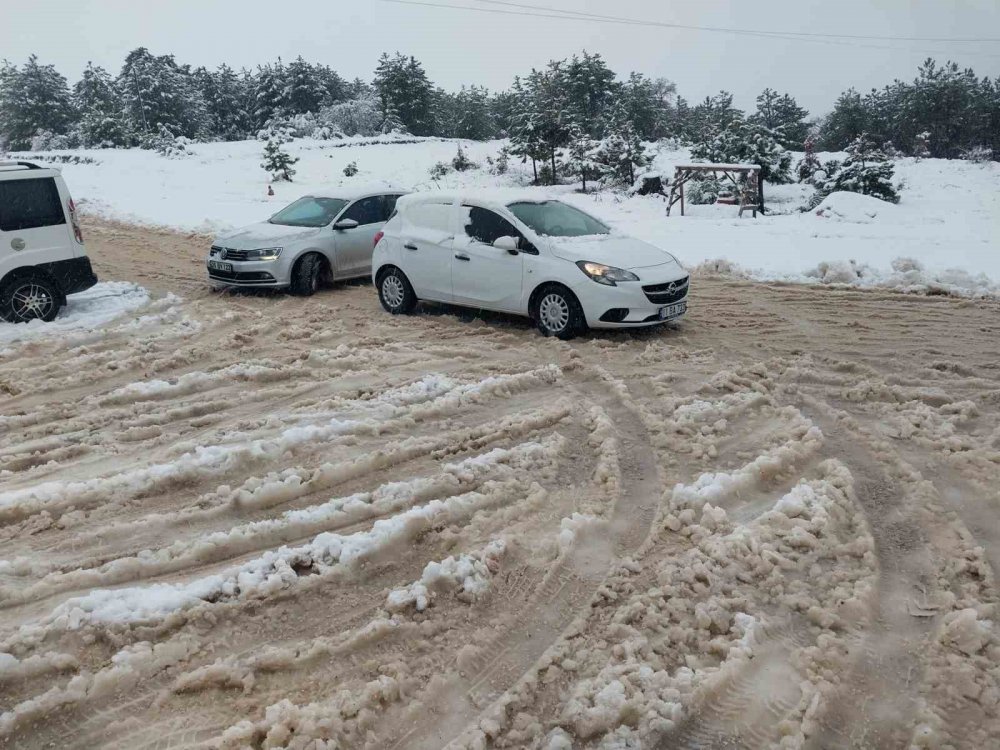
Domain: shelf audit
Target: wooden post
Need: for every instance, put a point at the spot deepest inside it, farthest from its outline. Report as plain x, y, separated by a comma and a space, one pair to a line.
682, 196
760, 191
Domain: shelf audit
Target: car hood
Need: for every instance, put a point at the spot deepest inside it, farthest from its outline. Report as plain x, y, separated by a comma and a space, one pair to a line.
264, 234
623, 252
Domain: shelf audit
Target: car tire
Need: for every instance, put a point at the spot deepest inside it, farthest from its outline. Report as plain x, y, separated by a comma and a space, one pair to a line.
29, 298
305, 275
557, 312
395, 292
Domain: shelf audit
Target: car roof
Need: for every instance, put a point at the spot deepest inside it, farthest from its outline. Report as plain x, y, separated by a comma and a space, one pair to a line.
496, 199
25, 168
353, 192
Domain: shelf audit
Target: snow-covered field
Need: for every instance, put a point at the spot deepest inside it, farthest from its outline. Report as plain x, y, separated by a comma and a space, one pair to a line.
944, 236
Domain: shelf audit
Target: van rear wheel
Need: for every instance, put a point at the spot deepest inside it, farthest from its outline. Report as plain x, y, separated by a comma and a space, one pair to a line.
29, 298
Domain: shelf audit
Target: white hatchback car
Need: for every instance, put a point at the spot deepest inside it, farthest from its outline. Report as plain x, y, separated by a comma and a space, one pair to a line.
318, 238
537, 257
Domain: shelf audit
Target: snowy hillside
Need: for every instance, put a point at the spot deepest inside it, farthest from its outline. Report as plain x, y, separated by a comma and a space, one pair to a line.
942, 235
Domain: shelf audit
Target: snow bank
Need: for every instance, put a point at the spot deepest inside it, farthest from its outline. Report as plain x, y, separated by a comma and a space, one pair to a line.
84, 312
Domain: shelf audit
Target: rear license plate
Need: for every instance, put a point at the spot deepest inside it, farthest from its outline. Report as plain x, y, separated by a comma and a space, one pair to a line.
217, 266
672, 311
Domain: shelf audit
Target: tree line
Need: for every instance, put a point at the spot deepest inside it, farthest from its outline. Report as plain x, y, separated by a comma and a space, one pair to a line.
574, 112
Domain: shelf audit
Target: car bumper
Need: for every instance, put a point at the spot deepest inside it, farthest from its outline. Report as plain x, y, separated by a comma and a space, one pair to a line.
72, 275
262, 273
627, 305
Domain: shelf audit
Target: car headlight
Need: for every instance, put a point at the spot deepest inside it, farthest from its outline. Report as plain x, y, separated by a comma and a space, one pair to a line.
264, 253
607, 275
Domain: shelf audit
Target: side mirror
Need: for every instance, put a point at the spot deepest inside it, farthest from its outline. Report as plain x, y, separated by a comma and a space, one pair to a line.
345, 224
510, 244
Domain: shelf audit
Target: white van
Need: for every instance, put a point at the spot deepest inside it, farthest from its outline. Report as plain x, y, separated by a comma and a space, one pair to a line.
42, 257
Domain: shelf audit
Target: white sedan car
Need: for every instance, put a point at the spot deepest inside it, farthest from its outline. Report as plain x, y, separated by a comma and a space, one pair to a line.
537, 257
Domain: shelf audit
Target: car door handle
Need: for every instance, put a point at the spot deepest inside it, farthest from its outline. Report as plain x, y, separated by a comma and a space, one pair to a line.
462, 256
410, 246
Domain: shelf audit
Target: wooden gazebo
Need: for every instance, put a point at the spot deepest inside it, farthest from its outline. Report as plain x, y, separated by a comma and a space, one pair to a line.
751, 192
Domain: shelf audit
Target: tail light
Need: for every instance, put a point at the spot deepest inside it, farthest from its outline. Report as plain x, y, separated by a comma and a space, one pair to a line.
77, 232
378, 235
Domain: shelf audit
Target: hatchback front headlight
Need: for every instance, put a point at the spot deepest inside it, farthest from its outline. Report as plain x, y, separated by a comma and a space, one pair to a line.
607, 275
264, 253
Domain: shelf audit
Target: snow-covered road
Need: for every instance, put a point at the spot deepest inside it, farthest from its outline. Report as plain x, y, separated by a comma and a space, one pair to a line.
263, 521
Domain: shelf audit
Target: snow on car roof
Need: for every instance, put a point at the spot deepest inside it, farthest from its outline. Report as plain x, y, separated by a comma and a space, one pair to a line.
495, 198
352, 192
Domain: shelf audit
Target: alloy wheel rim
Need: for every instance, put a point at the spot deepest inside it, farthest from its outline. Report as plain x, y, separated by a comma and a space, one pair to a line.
392, 290
31, 301
554, 312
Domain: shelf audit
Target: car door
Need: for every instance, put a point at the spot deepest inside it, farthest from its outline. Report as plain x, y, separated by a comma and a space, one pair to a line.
354, 246
33, 227
428, 237
483, 275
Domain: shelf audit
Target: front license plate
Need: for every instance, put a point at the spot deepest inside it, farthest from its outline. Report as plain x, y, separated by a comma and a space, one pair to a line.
217, 266
672, 311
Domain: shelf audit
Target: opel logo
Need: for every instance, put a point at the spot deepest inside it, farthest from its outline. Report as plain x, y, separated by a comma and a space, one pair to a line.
671, 287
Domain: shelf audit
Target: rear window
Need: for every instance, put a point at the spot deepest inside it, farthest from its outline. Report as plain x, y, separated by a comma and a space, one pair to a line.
29, 204
431, 216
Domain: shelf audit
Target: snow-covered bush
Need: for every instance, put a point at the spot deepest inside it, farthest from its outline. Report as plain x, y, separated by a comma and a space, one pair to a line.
439, 170
747, 143
165, 143
461, 162
702, 190
978, 154
360, 116
351, 169
277, 162
866, 170
277, 131
500, 165
45, 140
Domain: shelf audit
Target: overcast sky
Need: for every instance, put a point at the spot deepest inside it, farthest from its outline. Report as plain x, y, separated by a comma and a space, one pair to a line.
461, 46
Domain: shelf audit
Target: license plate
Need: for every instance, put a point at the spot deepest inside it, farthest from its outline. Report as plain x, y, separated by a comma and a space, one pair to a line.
672, 311
217, 266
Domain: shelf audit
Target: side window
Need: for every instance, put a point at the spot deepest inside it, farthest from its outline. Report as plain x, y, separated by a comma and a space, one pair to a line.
388, 206
487, 227
29, 204
365, 211
435, 216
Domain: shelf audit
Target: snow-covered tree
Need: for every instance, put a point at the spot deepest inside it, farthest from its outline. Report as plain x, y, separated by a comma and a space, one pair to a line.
33, 99
270, 86
360, 116
405, 94
472, 114
226, 97
781, 114
304, 90
620, 153
581, 156
278, 162
743, 142
156, 91
866, 170
102, 120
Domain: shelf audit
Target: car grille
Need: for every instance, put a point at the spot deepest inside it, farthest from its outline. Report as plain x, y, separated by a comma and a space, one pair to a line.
229, 253
665, 294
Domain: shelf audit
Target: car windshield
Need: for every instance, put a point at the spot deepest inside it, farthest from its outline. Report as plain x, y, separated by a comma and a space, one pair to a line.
309, 211
557, 219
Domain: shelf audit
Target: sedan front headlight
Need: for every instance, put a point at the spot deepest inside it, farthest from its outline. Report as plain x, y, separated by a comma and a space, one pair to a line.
264, 253
607, 275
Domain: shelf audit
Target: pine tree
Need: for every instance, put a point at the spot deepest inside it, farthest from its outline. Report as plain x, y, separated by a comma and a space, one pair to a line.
849, 119
743, 142
156, 91
472, 114
33, 99
866, 170
621, 151
782, 115
304, 90
405, 94
270, 88
225, 103
525, 132
102, 121
580, 157
278, 162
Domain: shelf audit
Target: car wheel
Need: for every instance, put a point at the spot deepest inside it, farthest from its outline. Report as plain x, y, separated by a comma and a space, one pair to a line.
557, 312
305, 276
395, 292
30, 298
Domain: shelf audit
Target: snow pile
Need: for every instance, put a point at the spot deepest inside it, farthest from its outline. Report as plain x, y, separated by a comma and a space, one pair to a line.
467, 575
854, 208
85, 312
